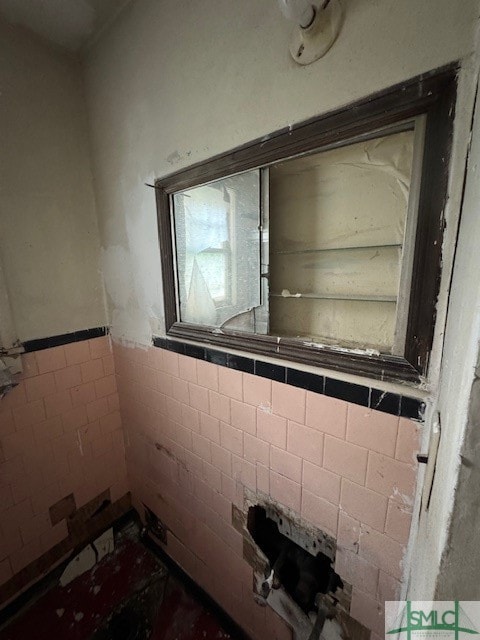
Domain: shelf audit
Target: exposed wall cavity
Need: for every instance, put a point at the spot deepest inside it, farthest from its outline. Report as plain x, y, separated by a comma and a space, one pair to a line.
303, 574
294, 574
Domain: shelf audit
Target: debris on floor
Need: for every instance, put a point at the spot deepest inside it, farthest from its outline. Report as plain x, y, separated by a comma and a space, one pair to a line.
83, 562
127, 595
88, 557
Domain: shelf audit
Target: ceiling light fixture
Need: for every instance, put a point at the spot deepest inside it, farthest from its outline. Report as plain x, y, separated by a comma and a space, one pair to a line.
316, 29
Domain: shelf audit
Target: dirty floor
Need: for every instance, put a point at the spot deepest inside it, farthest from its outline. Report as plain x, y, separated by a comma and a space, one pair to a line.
128, 595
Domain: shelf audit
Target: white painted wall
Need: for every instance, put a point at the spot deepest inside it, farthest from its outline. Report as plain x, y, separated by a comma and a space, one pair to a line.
49, 242
174, 83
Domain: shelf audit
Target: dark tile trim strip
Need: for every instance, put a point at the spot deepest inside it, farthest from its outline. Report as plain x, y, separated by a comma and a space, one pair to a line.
355, 393
272, 371
216, 357
305, 380
241, 363
64, 338
385, 401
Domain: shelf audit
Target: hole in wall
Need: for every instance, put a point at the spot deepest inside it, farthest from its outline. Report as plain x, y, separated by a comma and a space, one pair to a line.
303, 574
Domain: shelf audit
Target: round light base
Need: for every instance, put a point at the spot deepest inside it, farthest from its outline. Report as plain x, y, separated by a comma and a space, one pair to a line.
310, 44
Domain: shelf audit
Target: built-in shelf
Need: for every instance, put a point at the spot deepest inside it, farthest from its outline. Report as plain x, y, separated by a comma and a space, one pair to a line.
322, 250
334, 296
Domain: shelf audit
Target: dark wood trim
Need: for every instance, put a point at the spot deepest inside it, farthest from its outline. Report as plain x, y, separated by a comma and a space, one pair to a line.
378, 367
427, 262
432, 94
166, 256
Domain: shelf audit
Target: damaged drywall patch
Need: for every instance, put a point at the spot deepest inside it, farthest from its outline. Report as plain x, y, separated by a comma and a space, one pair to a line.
131, 327
174, 158
117, 272
128, 320
132, 270
142, 234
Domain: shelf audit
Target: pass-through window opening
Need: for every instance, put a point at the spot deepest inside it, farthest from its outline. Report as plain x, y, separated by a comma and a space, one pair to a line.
313, 247
276, 278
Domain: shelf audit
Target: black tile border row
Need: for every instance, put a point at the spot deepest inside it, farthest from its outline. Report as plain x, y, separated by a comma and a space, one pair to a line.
65, 338
392, 403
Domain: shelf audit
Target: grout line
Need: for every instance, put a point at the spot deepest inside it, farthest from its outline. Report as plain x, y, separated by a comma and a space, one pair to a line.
408, 407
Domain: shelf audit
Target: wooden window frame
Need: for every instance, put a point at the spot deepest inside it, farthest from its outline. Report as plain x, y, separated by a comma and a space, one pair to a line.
432, 95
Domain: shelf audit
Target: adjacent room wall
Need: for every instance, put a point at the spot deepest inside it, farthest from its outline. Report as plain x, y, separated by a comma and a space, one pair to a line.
49, 243
61, 441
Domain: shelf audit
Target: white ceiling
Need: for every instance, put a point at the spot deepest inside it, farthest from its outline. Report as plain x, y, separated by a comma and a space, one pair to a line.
68, 23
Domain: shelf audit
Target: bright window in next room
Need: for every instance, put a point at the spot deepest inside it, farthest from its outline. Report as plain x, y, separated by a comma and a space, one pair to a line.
320, 244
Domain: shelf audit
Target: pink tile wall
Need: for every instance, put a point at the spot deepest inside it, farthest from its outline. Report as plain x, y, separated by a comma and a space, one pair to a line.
197, 433
60, 432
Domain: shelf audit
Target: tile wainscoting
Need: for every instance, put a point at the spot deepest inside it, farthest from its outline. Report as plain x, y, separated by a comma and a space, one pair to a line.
60, 437
199, 433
